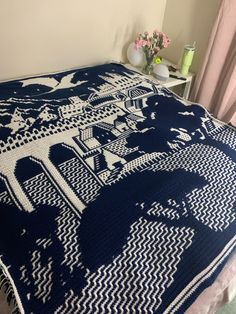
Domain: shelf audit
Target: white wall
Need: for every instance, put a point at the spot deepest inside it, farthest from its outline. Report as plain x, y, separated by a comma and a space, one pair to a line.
37, 36
186, 21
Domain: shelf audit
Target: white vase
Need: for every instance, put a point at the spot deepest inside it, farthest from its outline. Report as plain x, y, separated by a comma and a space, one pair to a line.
135, 56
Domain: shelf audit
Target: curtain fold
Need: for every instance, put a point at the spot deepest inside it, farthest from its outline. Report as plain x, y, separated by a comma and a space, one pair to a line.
215, 85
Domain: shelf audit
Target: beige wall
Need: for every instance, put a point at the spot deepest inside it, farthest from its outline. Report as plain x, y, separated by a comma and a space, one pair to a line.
51, 35
38, 36
186, 21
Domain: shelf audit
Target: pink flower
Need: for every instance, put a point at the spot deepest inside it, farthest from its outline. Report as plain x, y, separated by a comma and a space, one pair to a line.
149, 43
152, 44
144, 43
166, 41
137, 44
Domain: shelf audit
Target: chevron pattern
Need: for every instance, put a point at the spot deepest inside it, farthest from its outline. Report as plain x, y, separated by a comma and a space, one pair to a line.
67, 232
5, 198
41, 191
136, 280
172, 213
212, 205
226, 136
80, 178
25, 275
42, 276
44, 243
71, 304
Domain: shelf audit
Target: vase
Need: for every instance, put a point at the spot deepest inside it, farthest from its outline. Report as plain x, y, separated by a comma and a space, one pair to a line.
147, 69
135, 56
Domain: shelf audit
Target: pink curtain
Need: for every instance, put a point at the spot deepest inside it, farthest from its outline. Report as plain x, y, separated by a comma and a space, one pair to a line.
215, 85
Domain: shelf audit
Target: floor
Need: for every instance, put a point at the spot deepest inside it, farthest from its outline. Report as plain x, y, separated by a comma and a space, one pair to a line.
4, 307
229, 308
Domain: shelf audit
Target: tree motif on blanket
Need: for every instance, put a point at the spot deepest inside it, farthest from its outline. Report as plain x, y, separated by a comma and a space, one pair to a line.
169, 126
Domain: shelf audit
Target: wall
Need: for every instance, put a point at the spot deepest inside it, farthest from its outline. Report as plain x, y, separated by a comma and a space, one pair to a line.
186, 21
38, 36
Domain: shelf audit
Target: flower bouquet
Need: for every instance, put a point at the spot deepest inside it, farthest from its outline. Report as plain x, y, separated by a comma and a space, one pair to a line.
151, 46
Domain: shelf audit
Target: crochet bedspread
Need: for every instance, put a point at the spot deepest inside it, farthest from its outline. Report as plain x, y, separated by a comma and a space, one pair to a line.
115, 195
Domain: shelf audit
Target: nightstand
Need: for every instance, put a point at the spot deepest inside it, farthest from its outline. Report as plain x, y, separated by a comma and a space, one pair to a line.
171, 82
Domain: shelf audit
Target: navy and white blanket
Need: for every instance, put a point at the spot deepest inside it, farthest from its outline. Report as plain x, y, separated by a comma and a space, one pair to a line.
115, 195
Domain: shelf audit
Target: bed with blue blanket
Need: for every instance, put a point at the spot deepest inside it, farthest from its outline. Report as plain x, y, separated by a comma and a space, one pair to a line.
116, 196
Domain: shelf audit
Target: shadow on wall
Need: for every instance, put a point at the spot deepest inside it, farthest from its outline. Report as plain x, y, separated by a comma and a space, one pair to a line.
204, 19
124, 36
79, 34
188, 21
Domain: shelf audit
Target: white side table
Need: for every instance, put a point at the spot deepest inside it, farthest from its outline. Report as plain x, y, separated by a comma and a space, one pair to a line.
171, 82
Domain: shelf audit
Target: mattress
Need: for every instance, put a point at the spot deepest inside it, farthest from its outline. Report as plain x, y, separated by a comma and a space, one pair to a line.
115, 194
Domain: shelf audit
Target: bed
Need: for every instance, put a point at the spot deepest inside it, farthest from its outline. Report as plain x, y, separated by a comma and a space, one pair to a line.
116, 196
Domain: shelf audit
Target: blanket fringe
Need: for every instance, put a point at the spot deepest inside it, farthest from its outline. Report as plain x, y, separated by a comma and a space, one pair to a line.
10, 291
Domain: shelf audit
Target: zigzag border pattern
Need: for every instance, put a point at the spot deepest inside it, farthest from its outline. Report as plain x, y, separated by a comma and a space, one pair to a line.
227, 136
5, 198
157, 209
80, 179
71, 304
42, 191
67, 232
42, 276
136, 280
213, 203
